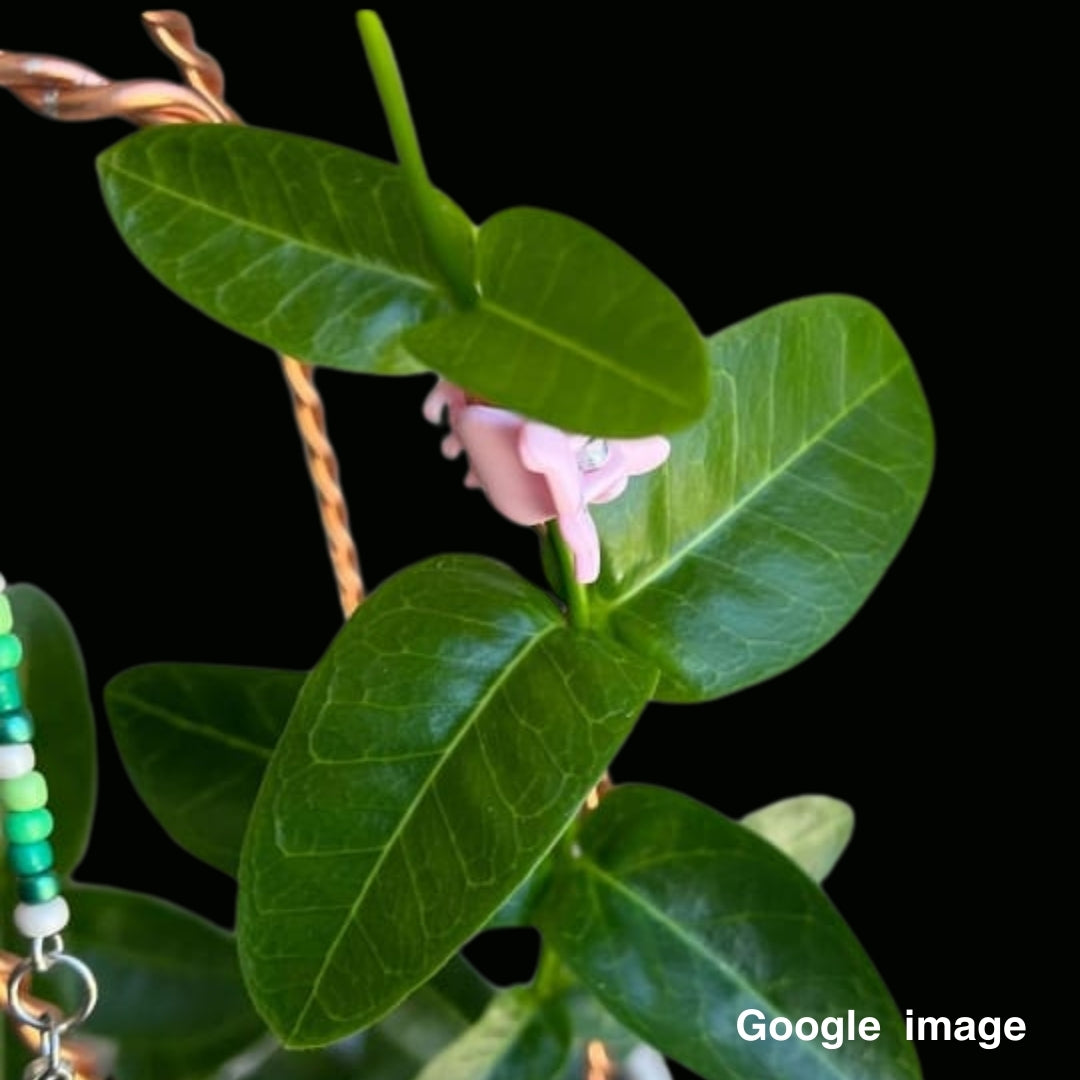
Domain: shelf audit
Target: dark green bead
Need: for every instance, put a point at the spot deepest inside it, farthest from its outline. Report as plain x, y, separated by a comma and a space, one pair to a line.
38, 888
28, 859
28, 826
10, 693
16, 727
11, 651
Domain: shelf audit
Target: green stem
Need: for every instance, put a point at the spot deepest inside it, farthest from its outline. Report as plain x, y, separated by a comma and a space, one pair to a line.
552, 976
391, 89
577, 598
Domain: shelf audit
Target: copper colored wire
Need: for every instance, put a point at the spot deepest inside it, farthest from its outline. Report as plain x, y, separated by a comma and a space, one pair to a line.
65, 90
603, 786
598, 1066
323, 468
80, 1057
61, 89
171, 31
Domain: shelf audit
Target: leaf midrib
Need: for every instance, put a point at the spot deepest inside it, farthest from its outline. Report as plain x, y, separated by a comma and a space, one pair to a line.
627, 373
353, 262
210, 734
697, 946
702, 537
421, 795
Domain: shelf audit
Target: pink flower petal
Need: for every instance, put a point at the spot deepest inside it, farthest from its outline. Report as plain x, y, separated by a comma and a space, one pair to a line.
490, 437
531, 473
643, 455
579, 532
551, 452
443, 395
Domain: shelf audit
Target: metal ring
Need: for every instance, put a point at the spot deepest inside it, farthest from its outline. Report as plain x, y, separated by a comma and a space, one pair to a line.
18, 1008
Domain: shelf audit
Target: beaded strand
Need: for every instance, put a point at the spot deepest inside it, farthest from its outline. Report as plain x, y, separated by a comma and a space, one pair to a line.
41, 912
24, 793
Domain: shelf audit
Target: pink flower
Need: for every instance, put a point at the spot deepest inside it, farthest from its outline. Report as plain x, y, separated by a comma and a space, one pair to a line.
534, 473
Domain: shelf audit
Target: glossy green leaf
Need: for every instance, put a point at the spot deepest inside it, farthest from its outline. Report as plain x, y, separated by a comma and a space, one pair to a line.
307, 247
572, 330
400, 1045
174, 1006
434, 756
811, 830
53, 680
195, 740
516, 1039
520, 905
172, 999
775, 516
679, 919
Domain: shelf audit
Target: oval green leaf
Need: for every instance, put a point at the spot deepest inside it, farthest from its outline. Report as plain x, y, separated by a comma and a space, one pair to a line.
174, 1006
53, 679
172, 1002
776, 516
572, 330
398, 1047
516, 1039
811, 830
679, 919
196, 740
434, 756
310, 248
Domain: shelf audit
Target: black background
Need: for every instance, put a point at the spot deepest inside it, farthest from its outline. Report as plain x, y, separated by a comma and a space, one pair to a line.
153, 483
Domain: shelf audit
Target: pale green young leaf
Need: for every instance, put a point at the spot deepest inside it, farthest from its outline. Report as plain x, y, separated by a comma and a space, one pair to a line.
811, 830
516, 1039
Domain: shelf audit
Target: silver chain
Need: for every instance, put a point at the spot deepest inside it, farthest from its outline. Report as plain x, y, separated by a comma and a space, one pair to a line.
45, 954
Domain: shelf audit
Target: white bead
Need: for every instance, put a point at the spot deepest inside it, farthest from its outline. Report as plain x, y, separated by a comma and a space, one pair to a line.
42, 920
16, 760
3, 583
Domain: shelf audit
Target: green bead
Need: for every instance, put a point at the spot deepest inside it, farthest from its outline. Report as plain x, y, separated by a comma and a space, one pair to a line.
29, 859
10, 693
11, 651
28, 826
16, 727
6, 620
38, 888
26, 792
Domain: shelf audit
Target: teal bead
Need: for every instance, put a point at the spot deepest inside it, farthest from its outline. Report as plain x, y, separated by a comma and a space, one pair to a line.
28, 826
29, 859
26, 792
16, 727
6, 618
10, 692
38, 888
11, 651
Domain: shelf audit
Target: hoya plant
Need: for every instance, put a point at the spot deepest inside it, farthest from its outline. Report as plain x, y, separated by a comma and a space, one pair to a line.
711, 508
